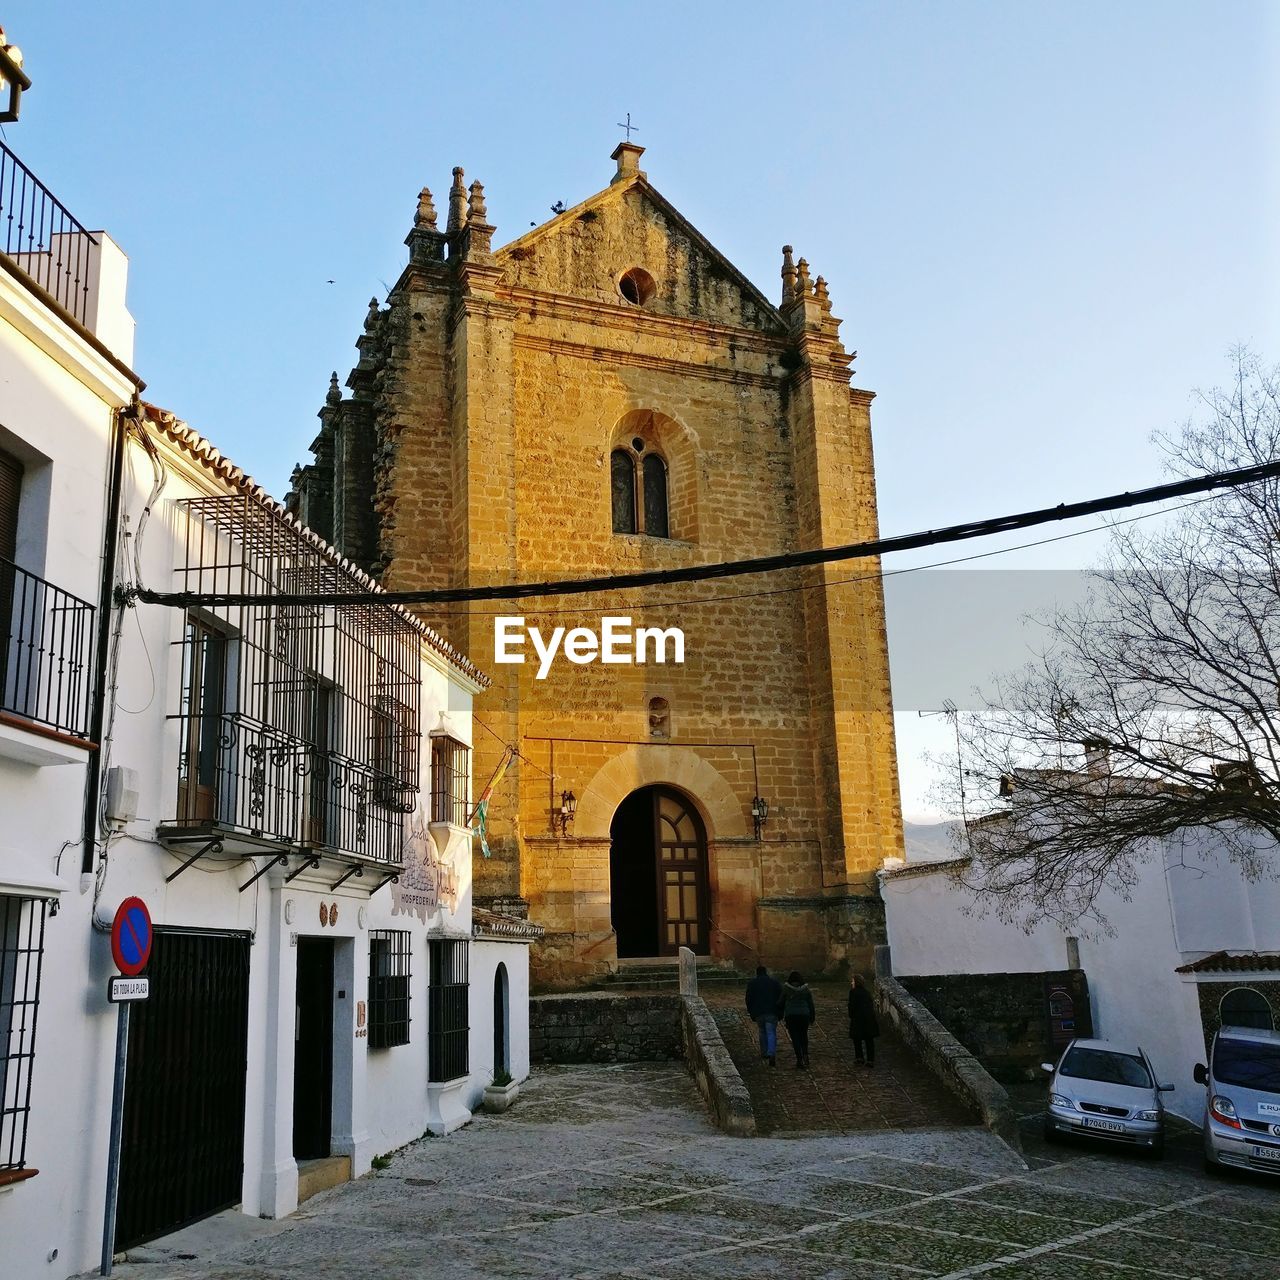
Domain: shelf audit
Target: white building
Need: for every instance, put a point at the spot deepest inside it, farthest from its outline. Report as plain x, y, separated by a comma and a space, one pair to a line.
287, 788
1193, 944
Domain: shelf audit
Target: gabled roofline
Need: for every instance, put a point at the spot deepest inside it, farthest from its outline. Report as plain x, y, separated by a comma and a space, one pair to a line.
618, 189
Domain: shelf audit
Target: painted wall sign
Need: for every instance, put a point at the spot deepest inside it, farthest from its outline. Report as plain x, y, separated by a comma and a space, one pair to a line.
428, 881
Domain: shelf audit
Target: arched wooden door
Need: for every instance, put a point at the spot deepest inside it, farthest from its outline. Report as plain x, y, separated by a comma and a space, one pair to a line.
658, 875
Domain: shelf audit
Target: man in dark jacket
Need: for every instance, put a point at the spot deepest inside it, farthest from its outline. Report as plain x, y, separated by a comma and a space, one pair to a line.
863, 1024
763, 994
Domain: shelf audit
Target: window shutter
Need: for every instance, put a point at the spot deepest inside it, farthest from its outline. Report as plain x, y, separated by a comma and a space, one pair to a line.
10, 488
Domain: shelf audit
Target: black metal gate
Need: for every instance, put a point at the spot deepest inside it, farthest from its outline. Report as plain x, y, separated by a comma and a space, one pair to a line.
182, 1155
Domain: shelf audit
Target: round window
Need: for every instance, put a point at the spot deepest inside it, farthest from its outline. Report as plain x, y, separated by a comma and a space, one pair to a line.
636, 286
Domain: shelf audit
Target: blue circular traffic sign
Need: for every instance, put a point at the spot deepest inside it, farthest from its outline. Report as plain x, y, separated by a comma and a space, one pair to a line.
131, 937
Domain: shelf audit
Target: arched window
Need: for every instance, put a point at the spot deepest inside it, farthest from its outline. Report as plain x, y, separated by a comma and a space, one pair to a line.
638, 490
655, 496
623, 487
1245, 1007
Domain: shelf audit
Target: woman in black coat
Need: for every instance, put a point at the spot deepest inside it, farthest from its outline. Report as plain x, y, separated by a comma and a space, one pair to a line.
863, 1026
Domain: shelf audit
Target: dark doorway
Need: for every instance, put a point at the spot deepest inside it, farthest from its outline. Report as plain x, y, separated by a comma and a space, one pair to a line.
313, 1051
182, 1150
658, 875
501, 1018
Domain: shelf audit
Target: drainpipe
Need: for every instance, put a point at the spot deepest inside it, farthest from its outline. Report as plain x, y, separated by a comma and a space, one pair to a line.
106, 592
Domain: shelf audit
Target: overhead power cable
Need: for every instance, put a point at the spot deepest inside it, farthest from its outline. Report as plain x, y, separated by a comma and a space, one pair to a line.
734, 568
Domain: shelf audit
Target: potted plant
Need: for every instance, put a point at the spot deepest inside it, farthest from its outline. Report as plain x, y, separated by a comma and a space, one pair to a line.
500, 1092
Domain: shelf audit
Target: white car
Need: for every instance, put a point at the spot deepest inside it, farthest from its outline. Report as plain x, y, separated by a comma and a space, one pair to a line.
1101, 1089
1242, 1112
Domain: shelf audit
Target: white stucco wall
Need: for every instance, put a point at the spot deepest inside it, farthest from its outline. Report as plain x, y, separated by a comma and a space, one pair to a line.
1189, 900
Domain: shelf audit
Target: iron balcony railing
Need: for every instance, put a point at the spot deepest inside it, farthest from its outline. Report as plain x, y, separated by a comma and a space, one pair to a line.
42, 238
238, 775
46, 648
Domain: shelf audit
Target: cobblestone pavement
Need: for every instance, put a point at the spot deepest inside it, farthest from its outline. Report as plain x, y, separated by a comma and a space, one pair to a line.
601, 1173
834, 1095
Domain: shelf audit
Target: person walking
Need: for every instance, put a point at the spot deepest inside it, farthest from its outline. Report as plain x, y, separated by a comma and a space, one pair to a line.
863, 1024
798, 1012
763, 993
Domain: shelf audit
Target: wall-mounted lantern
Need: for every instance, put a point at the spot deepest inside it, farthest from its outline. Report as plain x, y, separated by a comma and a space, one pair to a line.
563, 819
13, 80
759, 813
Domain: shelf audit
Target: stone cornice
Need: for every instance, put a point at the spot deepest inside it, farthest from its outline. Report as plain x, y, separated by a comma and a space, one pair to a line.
602, 315
639, 360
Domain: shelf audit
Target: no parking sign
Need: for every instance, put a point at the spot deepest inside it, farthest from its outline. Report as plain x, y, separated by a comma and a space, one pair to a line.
131, 937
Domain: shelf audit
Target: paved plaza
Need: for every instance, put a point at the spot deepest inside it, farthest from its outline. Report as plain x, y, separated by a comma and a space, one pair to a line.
615, 1172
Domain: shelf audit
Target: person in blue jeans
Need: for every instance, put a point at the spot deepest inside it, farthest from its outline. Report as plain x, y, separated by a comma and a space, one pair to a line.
763, 996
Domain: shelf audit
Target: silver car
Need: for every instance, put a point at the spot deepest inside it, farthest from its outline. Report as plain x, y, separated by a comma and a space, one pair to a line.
1242, 1115
1100, 1089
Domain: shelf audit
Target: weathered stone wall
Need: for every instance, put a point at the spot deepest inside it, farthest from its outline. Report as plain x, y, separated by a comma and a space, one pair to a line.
1002, 1018
713, 1070
946, 1057
501, 381
599, 1027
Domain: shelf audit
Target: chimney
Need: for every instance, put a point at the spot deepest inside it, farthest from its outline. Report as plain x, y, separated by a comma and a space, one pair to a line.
1097, 757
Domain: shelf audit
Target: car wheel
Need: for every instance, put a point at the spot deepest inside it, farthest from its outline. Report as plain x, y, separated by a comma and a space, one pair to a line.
1051, 1133
1157, 1147
1211, 1167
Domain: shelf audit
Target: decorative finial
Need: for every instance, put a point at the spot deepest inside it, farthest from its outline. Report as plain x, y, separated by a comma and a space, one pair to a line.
820, 292
371, 320
335, 392
802, 282
457, 204
476, 209
426, 215
788, 274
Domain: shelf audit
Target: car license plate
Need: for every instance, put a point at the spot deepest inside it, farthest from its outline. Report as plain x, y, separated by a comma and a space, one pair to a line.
1267, 1153
1109, 1125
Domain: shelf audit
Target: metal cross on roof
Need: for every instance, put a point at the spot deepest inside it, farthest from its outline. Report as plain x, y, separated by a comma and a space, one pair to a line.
629, 127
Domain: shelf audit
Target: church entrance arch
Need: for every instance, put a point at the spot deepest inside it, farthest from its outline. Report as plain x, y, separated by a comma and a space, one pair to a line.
659, 893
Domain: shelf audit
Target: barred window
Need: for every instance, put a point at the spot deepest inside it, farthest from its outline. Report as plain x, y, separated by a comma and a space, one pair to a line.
450, 774
389, 965
21, 950
394, 729
448, 995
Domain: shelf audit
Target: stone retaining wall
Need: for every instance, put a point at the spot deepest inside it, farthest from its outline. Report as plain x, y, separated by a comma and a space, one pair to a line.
944, 1055
717, 1078
597, 1026
1003, 1018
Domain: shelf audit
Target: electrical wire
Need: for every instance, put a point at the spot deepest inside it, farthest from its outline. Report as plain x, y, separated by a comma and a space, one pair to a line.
736, 568
844, 582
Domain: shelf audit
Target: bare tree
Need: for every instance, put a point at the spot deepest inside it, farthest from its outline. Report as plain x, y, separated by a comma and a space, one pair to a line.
1167, 677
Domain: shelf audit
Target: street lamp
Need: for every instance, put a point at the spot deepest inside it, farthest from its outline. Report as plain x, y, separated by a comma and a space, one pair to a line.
568, 807
759, 813
13, 80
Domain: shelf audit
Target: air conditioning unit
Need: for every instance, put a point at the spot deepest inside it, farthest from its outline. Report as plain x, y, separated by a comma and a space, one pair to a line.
122, 794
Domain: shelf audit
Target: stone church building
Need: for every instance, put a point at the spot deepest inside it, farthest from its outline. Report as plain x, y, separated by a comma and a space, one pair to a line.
608, 394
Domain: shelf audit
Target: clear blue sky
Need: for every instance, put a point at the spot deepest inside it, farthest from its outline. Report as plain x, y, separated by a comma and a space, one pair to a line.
1042, 224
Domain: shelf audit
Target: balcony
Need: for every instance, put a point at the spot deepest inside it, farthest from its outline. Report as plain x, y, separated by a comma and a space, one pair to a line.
297, 724
78, 274
46, 649
42, 238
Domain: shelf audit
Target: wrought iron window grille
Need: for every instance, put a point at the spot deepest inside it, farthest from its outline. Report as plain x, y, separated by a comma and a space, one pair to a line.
450, 780
285, 711
390, 958
448, 1001
22, 923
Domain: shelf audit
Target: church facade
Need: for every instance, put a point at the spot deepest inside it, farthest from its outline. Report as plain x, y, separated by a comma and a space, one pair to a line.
608, 394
